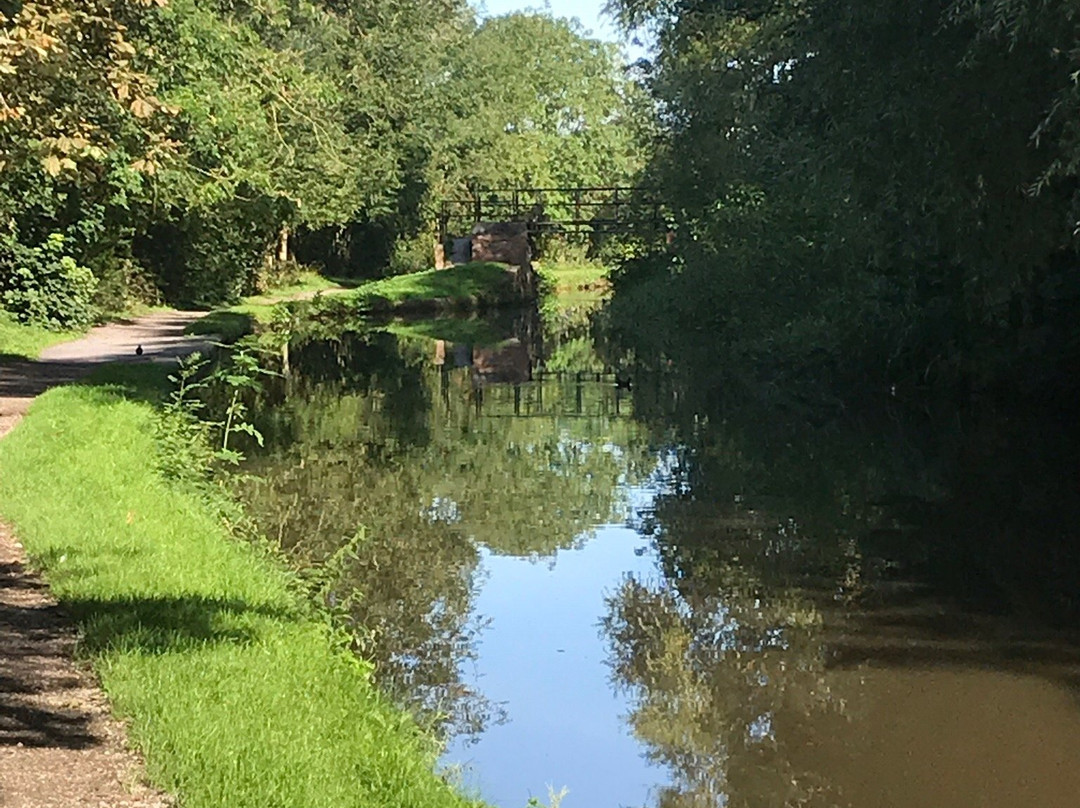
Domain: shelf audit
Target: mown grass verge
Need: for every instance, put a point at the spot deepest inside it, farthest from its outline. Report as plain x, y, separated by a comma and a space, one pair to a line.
574, 285
563, 277
236, 691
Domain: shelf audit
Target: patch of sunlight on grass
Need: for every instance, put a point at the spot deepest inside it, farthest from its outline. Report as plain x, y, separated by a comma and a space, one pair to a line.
306, 283
18, 341
235, 690
233, 322
580, 277
476, 281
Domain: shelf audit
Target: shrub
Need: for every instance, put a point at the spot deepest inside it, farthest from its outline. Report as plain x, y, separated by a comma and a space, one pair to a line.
45, 286
123, 283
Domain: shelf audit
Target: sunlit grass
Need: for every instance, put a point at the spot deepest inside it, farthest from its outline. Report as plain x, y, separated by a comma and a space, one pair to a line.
233, 322
236, 692
476, 282
305, 283
574, 287
18, 341
566, 278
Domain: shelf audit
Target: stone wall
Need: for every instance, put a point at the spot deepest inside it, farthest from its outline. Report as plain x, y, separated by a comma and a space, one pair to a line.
506, 243
495, 242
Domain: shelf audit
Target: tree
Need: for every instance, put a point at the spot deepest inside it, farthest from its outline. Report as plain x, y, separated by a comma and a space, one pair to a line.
883, 186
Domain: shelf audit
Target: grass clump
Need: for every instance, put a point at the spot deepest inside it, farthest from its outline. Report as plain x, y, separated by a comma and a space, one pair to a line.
564, 278
20, 341
228, 324
574, 287
235, 690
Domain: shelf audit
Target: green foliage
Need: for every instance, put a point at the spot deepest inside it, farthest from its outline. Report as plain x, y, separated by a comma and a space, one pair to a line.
233, 689
880, 192
21, 341
43, 285
185, 452
536, 103
186, 149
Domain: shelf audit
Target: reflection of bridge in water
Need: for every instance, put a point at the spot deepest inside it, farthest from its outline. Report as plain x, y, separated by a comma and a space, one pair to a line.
562, 394
503, 382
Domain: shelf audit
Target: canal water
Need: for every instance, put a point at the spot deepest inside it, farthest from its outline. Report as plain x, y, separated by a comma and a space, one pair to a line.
589, 583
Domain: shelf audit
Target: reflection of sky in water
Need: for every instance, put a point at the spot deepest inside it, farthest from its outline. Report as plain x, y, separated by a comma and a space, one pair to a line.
542, 659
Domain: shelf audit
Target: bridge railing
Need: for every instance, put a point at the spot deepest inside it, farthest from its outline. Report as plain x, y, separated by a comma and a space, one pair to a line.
610, 209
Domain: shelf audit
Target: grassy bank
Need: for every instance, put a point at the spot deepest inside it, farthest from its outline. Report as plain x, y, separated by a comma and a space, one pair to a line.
568, 278
462, 287
233, 322
236, 692
574, 286
18, 341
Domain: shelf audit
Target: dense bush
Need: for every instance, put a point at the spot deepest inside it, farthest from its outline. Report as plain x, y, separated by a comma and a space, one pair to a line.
45, 286
883, 191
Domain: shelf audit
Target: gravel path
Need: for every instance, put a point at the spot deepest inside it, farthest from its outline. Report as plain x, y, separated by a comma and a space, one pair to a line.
59, 746
160, 334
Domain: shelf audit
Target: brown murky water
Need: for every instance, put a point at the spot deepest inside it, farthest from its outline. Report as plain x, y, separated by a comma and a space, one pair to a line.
965, 738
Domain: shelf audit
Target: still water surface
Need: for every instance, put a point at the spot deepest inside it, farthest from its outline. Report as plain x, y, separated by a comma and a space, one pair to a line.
587, 580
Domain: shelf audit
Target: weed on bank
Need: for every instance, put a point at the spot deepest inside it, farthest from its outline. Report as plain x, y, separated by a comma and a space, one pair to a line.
237, 693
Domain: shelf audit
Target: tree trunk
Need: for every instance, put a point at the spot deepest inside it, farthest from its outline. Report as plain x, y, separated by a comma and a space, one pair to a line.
283, 244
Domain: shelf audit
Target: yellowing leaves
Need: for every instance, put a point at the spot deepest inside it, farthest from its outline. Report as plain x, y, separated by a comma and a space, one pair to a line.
121, 45
55, 165
51, 164
148, 167
67, 145
142, 108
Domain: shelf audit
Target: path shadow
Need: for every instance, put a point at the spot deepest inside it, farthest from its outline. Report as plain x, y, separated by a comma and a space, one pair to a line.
36, 644
159, 625
22, 379
39, 643
42, 697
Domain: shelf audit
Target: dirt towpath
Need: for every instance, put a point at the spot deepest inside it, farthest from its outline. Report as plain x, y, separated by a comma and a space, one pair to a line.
59, 746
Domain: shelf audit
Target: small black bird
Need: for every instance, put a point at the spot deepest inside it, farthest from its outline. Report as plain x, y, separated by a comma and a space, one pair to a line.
138, 351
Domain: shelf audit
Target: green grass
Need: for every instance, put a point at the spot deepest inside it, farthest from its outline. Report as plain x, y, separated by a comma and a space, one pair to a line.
233, 322
575, 285
234, 690
468, 283
18, 341
229, 324
307, 282
577, 277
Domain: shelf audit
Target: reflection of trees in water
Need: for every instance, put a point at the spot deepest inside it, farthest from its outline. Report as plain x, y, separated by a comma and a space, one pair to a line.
936, 541
710, 667
375, 437
406, 584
